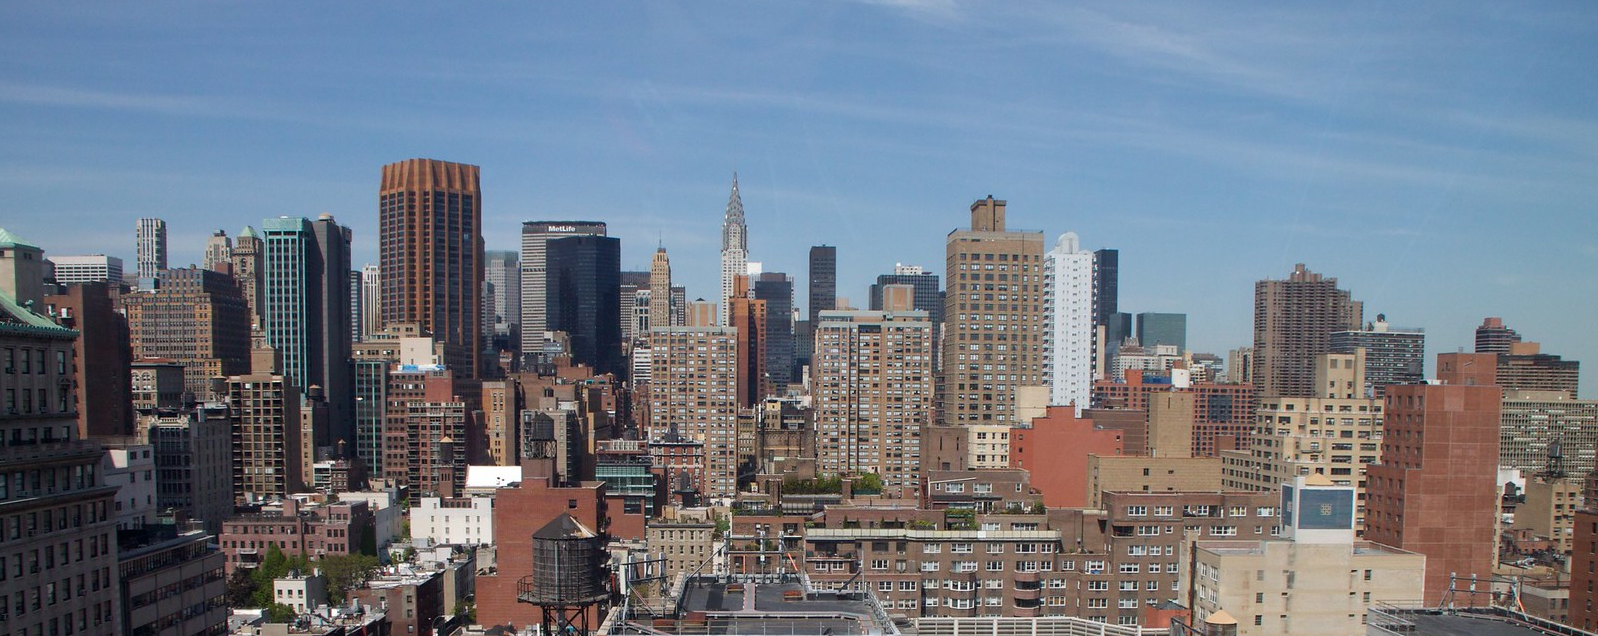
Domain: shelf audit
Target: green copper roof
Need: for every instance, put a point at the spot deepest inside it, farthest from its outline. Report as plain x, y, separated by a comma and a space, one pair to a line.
7, 239
248, 232
14, 318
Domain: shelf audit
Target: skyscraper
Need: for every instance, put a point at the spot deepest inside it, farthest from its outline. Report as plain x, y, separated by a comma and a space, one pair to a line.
1393, 355
219, 252
1068, 323
504, 273
247, 271
1106, 285
660, 278
869, 414
535, 235
307, 295
1435, 491
1162, 329
823, 280
776, 289
734, 247
150, 234
583, 299
1293, 323
993, 314
1493, 337
430, 224
357, 306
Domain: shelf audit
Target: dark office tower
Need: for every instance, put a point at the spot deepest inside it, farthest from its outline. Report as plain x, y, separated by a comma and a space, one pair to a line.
1117, 327
776, 288
307, 291
823, 280
357, 306
504, 273
1393, 355
1493, 337
1293, 323
535, 235
927, 296
1106, 285
430, 217
583, 299
197, 318
1162, 329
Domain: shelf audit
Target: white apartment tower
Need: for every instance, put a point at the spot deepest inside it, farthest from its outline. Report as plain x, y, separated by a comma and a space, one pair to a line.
734, 247
1068, 322
371, 299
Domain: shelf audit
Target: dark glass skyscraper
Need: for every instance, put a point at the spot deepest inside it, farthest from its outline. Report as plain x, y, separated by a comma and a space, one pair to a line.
583, 298
1106, 283
1162, 329
823, 280
928, 293
776, 289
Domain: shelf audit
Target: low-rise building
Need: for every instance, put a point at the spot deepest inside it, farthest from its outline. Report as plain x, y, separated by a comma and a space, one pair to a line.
412, 598
298, 527
684, 540
466, 521
301, 591
1317, 579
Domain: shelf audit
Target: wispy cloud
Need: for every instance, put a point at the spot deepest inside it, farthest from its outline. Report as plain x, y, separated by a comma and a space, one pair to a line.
71, 97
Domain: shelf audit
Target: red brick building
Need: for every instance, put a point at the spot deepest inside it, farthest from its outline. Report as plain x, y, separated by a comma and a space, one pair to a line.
1055, 451
1435, 491
1221, 412
518, 513
299, 528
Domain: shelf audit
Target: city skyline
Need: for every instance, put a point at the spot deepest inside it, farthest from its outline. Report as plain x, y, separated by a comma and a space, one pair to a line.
1372, 144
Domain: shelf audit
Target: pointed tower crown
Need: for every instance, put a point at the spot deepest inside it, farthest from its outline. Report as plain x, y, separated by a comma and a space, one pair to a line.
734, 233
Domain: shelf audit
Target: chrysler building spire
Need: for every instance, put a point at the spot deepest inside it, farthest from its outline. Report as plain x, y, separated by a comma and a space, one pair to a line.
734, 245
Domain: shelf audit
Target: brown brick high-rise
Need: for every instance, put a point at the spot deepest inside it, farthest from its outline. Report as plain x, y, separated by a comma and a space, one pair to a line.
1435, 491
993, 314
1293, 322
431, 247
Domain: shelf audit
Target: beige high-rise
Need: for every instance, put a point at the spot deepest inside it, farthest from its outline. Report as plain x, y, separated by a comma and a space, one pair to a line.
660, 290
872, 379
1293, 322
693, 395
993, 318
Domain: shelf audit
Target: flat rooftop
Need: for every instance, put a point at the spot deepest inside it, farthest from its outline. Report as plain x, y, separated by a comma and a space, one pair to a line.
1436, 623
712, 606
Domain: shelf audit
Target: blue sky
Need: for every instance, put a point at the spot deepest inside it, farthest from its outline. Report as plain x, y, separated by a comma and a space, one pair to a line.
1440, 159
